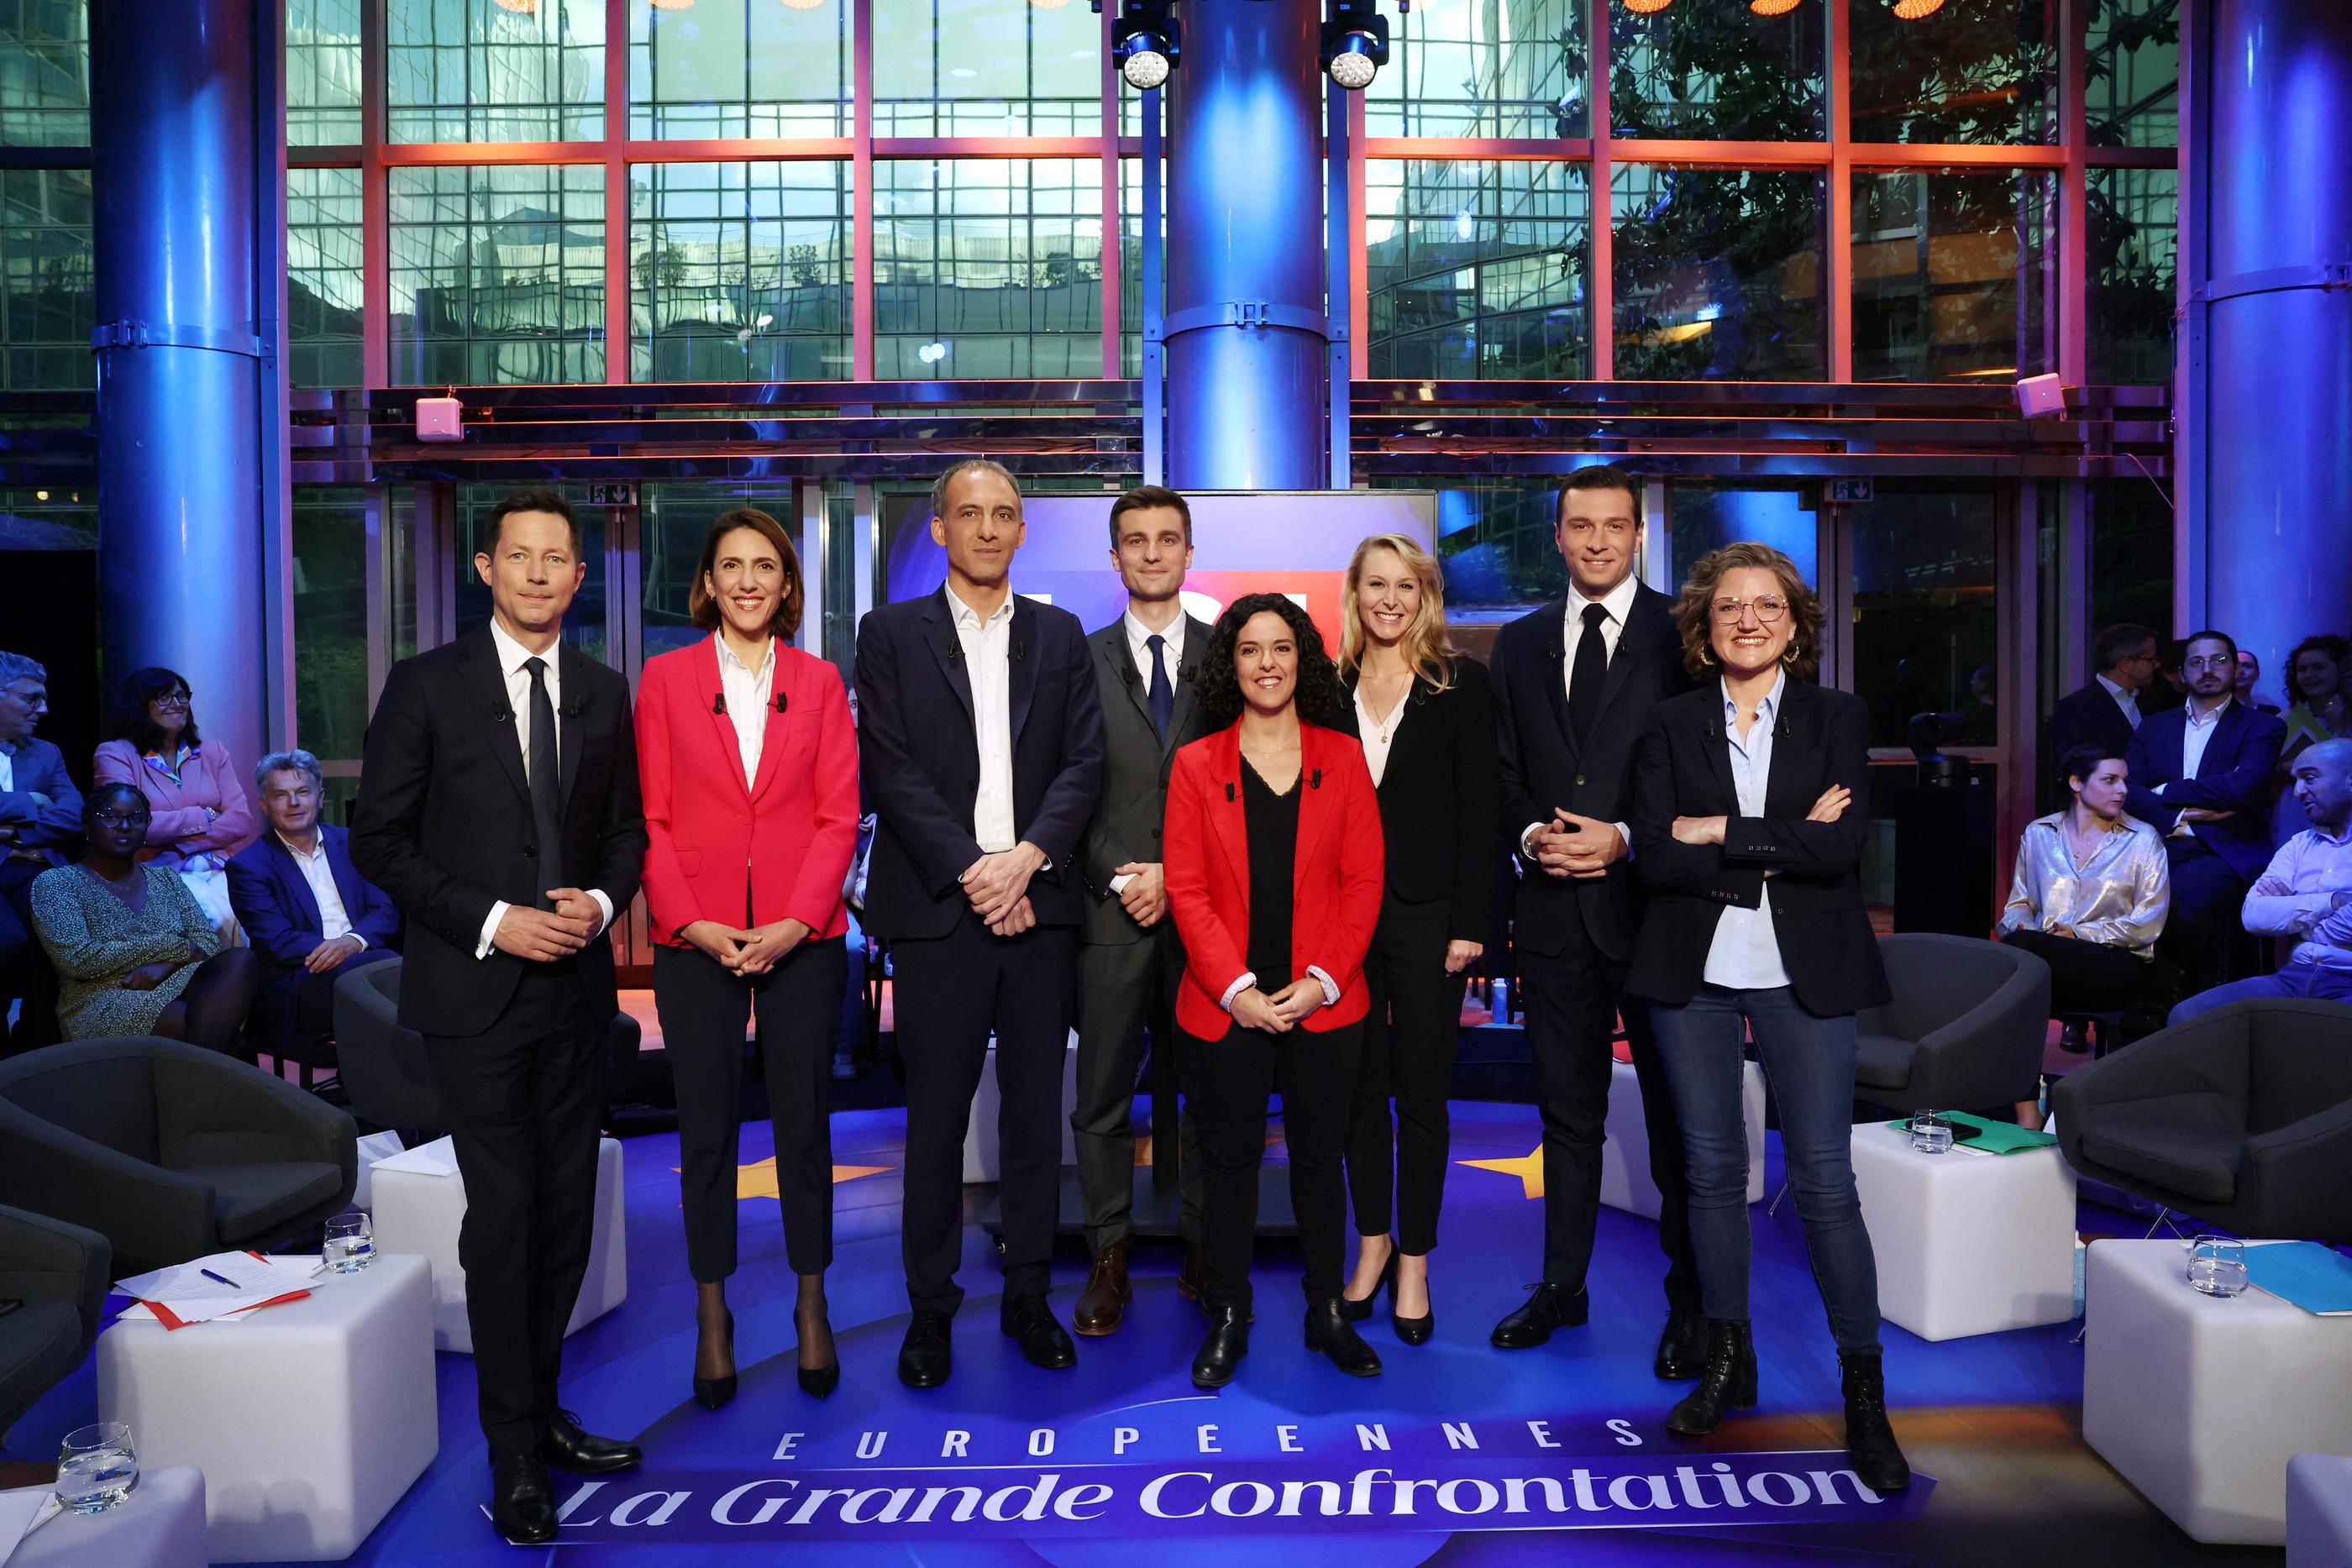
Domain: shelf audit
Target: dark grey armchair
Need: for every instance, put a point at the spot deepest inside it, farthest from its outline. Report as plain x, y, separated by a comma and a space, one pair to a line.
1965, 1031
169, 1151
59, 1272
2241, 1116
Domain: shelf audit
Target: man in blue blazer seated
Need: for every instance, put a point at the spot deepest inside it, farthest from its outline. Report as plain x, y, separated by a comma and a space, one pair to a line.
40, 818
310, 916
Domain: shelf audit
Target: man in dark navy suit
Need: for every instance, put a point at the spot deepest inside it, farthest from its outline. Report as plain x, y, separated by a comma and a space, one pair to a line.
40, 818
980, 739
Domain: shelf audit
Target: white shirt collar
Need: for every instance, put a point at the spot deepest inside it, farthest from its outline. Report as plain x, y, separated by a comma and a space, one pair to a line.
317, 849
1766, 709
727, 656
1138, 633
2213, 717
2117, 691
1618, 601
513, 654
965, 615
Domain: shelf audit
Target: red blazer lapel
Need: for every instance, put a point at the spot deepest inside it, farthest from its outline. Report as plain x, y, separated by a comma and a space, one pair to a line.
1320, 807
722, 726
1228, 824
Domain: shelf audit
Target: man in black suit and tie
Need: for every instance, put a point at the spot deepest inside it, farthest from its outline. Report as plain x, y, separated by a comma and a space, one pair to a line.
980, 739
1129, 959
2105, 713
499, 810
1574, 685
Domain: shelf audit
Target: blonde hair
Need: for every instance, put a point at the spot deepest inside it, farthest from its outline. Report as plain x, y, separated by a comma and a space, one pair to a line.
1426, 650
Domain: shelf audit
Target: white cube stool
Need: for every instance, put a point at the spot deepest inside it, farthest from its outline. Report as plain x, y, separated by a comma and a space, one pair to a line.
419, 1213
980, 1132
1625, 1157
308, 1420
2319, 1511
159, 1525
1966, 1243
2200, 1402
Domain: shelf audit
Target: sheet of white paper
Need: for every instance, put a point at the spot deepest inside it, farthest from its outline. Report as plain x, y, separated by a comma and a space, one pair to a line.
239, 1274
21, 1513
436, 1158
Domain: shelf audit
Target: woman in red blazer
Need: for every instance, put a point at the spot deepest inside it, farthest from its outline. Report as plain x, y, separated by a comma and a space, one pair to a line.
749, 763
1273, 865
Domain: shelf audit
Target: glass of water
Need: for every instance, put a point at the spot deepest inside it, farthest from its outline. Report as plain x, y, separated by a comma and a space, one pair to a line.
2217, 1265
95, 1466
350, 1243
1930, 1134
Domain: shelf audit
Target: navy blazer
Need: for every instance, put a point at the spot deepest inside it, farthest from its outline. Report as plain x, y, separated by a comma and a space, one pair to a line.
279, 914
39, 768
919, 754
2234, 774
2090, 716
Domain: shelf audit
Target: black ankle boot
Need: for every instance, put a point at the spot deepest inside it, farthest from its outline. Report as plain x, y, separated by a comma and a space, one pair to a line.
1328, 1331
1222, 1352
1726, 1383
1869, 1438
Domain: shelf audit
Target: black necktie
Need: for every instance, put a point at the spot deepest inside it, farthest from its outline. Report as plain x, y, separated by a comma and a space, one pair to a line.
1162, 695
546, 824
1584, 676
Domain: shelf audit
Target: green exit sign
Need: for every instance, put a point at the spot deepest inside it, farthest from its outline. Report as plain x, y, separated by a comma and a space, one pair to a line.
1849, 492
612, 495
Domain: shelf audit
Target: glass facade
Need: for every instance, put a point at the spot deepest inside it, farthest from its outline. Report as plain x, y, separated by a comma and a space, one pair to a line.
987, 268
331, 618
1925, 624
325, 278
980, 67
739, 67
738, 272
44, 73
322, 73
494, 71
1974, 72
1478, 270
2132, 286
1718, 273
1696, 72
497, 273
1473, 68
46, 256
1952, 274
2132, 71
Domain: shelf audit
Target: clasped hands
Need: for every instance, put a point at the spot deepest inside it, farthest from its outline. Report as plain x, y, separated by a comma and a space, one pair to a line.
543, 936
1280, 1012
998, 886
1577, 848
1710, 829
746, 952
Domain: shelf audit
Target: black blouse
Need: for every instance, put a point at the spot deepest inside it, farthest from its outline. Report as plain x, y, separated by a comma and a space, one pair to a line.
1272, 823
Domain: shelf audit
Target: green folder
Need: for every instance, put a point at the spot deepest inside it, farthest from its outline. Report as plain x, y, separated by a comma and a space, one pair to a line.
1997, 1137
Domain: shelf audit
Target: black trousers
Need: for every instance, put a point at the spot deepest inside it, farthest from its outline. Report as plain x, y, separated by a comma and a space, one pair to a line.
2206, 896
524, 1107
1572, 1000
1127, 990
949, 992
797, 1008
1317, 1075
1410, 1040
2086, 977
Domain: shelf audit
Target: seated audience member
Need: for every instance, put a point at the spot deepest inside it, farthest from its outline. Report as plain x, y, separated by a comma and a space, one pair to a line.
201, 816
2091, 891
135, 954
40, 816
2305, 893
2315, 679
310, 917
2104, 712
2249, 670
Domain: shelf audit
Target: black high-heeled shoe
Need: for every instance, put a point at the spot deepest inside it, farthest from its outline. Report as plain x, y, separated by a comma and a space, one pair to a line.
817, 1382
1356, 1311
1412, 1331
710, 1393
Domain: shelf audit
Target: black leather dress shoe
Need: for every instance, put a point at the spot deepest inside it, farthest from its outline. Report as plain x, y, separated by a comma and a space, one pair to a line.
565, 1447
1222, 1352
1328, 1331
927, 1355
522, 1506
1044, 1343
1681, 1349
1548, 1307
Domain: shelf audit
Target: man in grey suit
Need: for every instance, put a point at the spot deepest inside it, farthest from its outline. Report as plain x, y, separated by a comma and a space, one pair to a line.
1128, 956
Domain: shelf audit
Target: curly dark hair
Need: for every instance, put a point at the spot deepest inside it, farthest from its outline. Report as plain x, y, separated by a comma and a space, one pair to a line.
1319, 697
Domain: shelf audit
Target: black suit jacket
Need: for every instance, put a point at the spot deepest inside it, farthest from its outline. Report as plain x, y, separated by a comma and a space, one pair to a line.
2087, 716
919, 752
1134, 800
1542, 767
1439, 795
444, 823
1820, 738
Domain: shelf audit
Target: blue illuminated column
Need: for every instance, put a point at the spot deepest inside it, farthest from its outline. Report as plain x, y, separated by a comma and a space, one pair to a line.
2275, 400
1245, 321
173, 151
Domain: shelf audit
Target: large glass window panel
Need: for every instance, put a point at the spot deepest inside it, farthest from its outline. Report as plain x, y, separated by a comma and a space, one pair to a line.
740, 68
674, 518
585, 626
1497, 543
46, 267
2131, 244
1718, 273
1976, 71
1476, 271
1925, 627
987, 267
331, 622
2132, 554
494, 71
45, 73
34, 518
322, 73
1130, 261
738, 272
986, 68
1953, 277
1706, 515
2132, 71
497, 273
1476, 67
1718, 71
325, 293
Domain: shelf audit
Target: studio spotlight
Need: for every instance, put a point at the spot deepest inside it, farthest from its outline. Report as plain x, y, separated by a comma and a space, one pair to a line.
1355, 43
1144, 40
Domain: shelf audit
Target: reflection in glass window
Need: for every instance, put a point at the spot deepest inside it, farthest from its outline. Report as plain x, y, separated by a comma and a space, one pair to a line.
1476, 271
1925, 635
324, 290
986, 68
674, 518
2131, 244
1497, 543
2131, 552
330, 622
2132, 71
740, 68
738, 272
44, 74
1952, 274
497, 273
1472, 68
495, 70
322, 73
1707, 515
986, 268
1976, 71
1718, 273
1131, 260
1717, 70
584, 623
46, 265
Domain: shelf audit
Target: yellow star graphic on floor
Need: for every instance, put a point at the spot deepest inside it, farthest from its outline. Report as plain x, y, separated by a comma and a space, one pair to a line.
759, 1179
1528, 1168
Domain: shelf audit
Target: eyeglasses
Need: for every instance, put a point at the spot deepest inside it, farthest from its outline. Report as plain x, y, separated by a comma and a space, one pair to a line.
117, 819
1768, 609
172, 699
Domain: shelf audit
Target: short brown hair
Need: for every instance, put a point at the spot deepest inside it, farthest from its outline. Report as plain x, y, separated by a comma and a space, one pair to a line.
550, 501
1599, 476
1143, 498
1694, 610
704, 607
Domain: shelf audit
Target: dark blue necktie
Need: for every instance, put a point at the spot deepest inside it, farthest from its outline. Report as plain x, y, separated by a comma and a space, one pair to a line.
545, 821
1162, 695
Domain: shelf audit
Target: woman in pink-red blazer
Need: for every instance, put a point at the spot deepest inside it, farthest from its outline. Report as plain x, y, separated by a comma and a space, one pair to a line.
201, 814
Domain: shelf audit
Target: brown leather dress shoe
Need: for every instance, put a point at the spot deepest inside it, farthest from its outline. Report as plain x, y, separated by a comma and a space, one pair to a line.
1102, 1305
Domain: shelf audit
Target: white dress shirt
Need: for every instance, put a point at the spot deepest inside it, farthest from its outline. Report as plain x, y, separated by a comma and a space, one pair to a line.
2194, 738
1619, 602
1172, 657
987, 665
1746, 953
2127, 701
747, 693
512, 657
7, 765
334, 921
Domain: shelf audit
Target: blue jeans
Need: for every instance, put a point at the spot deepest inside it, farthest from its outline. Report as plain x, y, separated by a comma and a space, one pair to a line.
2317, 982
1810, 1063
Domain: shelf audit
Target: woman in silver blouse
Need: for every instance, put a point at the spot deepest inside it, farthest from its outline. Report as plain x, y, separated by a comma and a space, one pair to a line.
2090, 891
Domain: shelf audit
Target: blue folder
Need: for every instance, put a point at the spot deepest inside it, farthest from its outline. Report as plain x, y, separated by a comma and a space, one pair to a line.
2316, 1277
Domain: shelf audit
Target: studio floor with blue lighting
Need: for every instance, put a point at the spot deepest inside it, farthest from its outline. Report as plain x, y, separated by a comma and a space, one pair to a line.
1459, 1454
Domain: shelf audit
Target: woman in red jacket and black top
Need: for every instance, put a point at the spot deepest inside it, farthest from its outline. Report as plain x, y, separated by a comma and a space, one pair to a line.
749, 763
1274, 866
